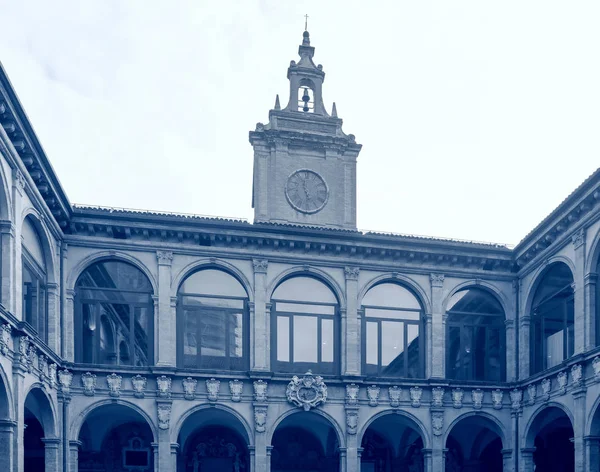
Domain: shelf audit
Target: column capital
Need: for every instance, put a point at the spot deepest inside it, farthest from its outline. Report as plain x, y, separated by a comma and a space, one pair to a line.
269, 450
591, 439
509, 323
351, 273
437, 280
527, 450
174, 448
591, 278
164, 258
51, 443
260, 266
506, 452
578, 238
73, 444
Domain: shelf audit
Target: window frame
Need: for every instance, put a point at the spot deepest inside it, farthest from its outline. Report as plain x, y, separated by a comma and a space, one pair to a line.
41, 319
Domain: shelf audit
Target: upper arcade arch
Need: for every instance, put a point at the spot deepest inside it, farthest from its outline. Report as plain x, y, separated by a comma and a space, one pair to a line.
485, 286
535, 279
45, 238
402, 280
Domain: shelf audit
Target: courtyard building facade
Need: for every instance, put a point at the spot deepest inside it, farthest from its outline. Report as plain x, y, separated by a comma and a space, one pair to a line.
138, 341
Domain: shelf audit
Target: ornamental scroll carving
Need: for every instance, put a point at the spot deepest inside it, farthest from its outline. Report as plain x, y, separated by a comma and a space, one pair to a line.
562, 382
164, 257
352, 394
415, 396
260, 265
531, 393
394, 394
437, 422
352, 420
516, 398
260, 418
114, 383
437, 397
477, 398
351, 273
596, 366
437, 280
236, 388
88, 380
65, 379
457, 398
307, 392
578, 238
5, 338
189, 388
212, 387
577, 375
139, 386
546, 387
164, 414
52, 374
260, 390
373, 395
163, 386
497, 397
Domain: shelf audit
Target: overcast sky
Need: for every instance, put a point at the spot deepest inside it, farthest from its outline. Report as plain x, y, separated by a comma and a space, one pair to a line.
477, 118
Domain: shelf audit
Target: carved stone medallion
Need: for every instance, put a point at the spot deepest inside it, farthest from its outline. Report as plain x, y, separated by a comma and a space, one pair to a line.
394, 394
260, 390
139, 386
477, 398
88, 380
114, 382
306, 392
189, 388
236, 388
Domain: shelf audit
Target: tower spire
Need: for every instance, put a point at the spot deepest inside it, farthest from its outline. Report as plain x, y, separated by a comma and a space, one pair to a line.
306, 22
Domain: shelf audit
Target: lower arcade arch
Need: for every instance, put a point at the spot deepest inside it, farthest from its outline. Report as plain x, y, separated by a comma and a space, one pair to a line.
115, 438
213, 439
305, 441
474, 443
549, 436
392, 443
39, 431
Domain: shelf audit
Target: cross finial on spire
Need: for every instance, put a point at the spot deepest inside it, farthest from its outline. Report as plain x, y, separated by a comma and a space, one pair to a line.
306, 22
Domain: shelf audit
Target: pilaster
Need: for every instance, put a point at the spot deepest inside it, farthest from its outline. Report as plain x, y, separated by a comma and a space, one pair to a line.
579, 421
260, 329
351, 325
510, 350
7, 235
592, 452
166, 352
52, 454
174, 455
7, 433
508, 464
74, 455
524, 351
581, 327
592, 339
526, 463
69, 325
438, 349
54, 338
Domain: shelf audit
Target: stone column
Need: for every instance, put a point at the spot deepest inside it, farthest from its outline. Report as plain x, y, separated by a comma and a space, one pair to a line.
261, 329
507, 461
590, 282
510, 350
166, 353
428, 343
359, 452
524, 351
174, 456
427, 458
7, 432
19, 370
52, 454
268, 461
7, 239
154, 447
581, 327
251, 452
579, 420
351, 360
438, 348
438, 454
69, 325
74, 455
342, 451
527, 459
16, 298
592, 452
53, 317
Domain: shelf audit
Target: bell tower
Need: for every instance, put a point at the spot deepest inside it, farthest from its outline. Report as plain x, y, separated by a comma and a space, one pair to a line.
304, 164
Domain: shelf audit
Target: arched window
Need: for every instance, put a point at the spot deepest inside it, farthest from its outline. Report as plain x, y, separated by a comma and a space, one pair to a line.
552, 318
475, 337
114, 315
392, 332
304, 327
35, 305
212, 322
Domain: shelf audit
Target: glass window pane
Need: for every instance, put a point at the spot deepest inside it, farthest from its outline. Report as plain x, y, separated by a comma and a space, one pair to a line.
213, 302
372, 347
235, 335
454, 354
108, 354
554, 348
393, 314
392, 345
414, 357
391, 295
305, 339
479, 353
212, 333
114, 275
304, 308
304, 289
474, 300
190, 342
283, 339
32, 242
89, 326
326, 340
213, 282
494, 356
141, 335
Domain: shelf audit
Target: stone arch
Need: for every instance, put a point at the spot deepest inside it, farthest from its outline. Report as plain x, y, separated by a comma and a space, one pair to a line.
418, 425
483, 285
341, 437
593, 422
6, 409
87, 261
45, 237
212, 263
539, 275
593, 254
176, 429
310, 271
403, 280
5, 197
44, 407
491, 422
79, 420
530, 434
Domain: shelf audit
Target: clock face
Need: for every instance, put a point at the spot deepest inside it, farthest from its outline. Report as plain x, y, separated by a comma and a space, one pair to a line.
306, 191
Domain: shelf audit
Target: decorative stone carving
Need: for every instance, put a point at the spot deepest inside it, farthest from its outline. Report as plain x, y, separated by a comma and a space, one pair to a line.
139, 386
596, 366
457, 397
189, 388
477, 398
578, 238
437, 422
531, 393
5, 338
164, 257
307, 392
65, 378
23, 348
43, 367
351, 273
497, 397
164, 414
52, 374
394, 394
516, 397
437, 280
163, 386
260, 390
236, 388
20, 178
562, 382
546, 386
31, 357
352, 421
437, 397
212, 387
352, 394
114, 382
260, 418
577, 375
373, 394
88, 380
260, 265
415, 396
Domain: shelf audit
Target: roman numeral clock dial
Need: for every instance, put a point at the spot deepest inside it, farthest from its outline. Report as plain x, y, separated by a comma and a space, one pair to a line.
306, 191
